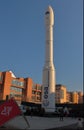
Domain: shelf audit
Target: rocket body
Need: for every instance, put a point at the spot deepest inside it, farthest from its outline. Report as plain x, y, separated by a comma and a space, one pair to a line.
48, 81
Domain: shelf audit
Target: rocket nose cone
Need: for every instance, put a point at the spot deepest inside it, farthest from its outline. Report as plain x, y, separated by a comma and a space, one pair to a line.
49, 10
49, 15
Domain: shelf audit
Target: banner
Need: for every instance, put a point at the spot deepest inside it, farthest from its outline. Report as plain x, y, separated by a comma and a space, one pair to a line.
9, 110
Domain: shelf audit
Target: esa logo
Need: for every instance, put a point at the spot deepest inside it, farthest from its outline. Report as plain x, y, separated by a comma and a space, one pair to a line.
46, 92
45, 102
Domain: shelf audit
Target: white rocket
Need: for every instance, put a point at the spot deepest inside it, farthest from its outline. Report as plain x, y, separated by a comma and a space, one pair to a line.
48, 81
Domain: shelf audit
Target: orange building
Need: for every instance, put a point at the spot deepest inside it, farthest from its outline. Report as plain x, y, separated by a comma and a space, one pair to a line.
60, 93
80, 97
22, 89
75, 97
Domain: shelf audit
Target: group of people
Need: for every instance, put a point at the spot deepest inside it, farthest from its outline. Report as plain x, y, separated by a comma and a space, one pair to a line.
80, 123
63, 112
35, 111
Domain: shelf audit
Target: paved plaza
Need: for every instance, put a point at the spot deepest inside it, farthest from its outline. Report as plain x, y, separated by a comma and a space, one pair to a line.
40, 123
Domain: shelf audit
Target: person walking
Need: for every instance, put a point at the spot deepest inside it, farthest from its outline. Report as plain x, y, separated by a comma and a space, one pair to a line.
80, 124
61, 115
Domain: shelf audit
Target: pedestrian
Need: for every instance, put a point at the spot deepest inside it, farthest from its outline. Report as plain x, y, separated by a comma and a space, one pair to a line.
61, 115
79, 124
32, 112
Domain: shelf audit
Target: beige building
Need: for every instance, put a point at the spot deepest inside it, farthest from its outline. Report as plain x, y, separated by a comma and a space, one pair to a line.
69, 97
80, 97
75, 97
24, 89
60, 93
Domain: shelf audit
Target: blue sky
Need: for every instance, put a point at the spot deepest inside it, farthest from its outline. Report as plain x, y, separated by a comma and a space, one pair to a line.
22, 40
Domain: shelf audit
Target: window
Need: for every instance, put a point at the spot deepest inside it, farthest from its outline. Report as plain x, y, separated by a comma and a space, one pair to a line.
33, 98
1, 78
34, 86
38, 93
16, 89
17, 83
21, 83
33, 92
38, 98
62, 94
12, 94
39, 87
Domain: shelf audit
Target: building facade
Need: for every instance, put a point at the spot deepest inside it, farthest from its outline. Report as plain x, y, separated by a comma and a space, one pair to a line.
60, 93
80, 97
75, 97
22, 89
